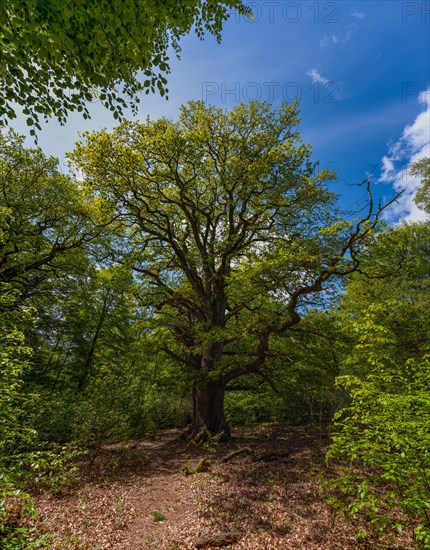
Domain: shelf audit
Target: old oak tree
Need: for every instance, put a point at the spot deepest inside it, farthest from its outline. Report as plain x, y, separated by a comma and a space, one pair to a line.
230, 228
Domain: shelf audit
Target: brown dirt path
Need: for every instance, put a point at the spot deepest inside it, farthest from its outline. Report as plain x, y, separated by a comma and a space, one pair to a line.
138, 498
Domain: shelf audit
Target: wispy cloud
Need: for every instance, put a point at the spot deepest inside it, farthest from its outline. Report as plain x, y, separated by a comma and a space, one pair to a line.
317, 78
413, 145
358, 14
327, 40
333, 39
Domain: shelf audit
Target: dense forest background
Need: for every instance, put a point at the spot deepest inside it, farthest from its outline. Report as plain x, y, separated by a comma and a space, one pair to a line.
200, 275
97, 330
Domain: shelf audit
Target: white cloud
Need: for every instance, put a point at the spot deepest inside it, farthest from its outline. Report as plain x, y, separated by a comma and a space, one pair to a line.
327, 40
317, 78
387, 169
424, 97
413, 145
358, 14
345, 35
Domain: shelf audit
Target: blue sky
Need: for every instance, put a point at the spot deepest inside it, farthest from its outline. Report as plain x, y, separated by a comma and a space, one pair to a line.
360, 67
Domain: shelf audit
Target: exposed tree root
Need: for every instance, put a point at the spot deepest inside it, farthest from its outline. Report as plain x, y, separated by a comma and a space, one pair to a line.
199, 438
201, 466
273, 456
247, 450
205, 463
243, 450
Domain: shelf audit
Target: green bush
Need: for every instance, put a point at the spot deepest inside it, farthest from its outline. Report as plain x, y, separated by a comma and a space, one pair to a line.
24, 460
382, 438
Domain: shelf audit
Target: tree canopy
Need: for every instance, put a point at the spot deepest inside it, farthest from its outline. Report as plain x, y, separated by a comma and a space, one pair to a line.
421, 168
229, 225
57, 56
44, 222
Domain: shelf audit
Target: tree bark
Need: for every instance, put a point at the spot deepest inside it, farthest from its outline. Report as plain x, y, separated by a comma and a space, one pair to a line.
208, 409
90, 356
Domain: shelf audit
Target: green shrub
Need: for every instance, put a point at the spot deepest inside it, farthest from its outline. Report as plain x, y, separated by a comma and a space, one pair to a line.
383, 439
24, 460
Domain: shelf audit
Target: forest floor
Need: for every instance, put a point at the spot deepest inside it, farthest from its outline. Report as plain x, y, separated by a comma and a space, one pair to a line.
137, 496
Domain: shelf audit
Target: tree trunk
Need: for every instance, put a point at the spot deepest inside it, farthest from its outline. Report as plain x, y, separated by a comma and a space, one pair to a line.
208, 409
90, 356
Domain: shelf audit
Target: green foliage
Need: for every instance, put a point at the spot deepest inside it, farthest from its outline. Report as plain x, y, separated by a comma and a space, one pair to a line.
382, 436
43, 218
97, 362
421, 168
247, 408
15, 417
301, 371
16, 432
51, 469
228, 225
384, 432
42, 231
58, 56
24, 461
25, 539
111, 408
221, 234
158, 516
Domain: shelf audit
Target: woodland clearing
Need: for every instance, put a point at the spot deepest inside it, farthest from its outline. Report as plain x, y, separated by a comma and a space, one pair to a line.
136, 496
